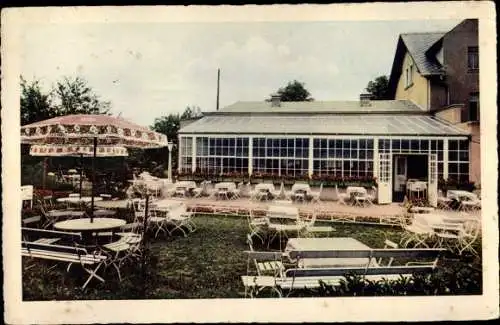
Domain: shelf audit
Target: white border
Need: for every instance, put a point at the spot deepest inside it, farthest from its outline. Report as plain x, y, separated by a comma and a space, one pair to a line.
258, 310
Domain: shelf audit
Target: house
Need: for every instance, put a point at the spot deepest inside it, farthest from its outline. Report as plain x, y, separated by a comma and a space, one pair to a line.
345, 139
439, 72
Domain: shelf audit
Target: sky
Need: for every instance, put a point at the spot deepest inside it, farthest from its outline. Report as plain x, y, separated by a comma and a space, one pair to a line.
149, 70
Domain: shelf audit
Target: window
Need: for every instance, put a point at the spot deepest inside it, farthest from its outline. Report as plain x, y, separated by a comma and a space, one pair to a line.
473, 107
409, 75
473, 58
344, 158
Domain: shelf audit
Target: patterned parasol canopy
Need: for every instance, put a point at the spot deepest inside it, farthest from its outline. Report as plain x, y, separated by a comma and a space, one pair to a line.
95, 131
56, 150
81, 129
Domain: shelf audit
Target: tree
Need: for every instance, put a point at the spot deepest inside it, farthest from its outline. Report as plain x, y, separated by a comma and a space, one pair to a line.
294, 91
378, 88
168, 125
36, 105
191, 112
76, 97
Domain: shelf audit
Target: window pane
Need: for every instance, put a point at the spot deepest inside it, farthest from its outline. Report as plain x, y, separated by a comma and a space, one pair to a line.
453, 156
452, 145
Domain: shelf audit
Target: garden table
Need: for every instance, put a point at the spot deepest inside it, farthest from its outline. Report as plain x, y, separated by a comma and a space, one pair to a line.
86, 227
328, 244
75, 200
118, 204
165, 205
225, 189
276, 211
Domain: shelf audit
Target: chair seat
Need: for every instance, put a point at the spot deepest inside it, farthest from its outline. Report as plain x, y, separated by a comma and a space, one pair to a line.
270, 266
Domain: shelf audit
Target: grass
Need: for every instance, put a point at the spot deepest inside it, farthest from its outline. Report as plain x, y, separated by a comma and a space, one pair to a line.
206, 264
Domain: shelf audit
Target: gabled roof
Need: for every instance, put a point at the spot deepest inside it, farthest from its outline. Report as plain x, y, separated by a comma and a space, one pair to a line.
417, 45
422, 48
320, 107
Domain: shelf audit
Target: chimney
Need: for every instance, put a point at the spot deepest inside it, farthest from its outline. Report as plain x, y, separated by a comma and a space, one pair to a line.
364, 100
275, 100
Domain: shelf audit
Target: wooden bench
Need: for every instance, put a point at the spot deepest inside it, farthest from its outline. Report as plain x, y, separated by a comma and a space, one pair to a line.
49, 236
309, 278
90, 262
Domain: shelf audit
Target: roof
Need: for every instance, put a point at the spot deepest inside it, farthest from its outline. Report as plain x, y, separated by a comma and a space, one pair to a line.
376, 106
422, 48
331, 124
417, 45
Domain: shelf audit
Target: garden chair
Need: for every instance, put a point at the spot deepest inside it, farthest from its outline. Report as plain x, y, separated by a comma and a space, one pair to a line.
279, 193
257, 225
341, 197
470, 205
236, 192
115, 253
273, 267
443, 202
202, 190
387, 244
417, 232
468, 236
315, 196
372, 197
180, 219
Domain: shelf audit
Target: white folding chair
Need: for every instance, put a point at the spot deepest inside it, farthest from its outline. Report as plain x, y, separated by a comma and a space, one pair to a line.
273, 267
341, 197
257, 225
315, 196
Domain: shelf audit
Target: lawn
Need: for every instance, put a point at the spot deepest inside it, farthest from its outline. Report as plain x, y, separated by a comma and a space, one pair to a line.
208, 264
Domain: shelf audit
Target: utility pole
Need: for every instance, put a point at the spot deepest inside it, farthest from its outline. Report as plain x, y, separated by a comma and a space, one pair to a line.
218, 84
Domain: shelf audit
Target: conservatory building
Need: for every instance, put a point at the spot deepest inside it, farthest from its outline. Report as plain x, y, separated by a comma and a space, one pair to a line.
390, 140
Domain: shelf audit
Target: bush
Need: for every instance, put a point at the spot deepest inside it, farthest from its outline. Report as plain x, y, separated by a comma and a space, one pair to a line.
444, 281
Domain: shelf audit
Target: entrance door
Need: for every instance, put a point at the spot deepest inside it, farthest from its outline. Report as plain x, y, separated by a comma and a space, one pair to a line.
384, 178
400, 177
432, 191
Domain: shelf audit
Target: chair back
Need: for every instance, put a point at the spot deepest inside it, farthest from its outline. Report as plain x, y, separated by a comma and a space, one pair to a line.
250, 242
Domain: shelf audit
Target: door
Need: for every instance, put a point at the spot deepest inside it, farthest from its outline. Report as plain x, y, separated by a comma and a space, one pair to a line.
432, 186
384, 178
400, 176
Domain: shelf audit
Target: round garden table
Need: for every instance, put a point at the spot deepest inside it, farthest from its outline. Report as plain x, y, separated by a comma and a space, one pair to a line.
86, 227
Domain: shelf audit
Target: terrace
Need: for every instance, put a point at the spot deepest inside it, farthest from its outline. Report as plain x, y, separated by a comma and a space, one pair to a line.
209, 262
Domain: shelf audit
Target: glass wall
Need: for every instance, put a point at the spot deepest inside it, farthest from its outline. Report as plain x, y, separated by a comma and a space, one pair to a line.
222, 155
343, 157
458, 160
186, 154
281, 156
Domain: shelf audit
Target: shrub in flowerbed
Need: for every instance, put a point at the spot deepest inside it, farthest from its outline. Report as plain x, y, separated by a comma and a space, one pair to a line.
450, 280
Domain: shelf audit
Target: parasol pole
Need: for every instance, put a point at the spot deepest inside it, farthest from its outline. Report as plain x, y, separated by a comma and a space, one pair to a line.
81, 173
93, 181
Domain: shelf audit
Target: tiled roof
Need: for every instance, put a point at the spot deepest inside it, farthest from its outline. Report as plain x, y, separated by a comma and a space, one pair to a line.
417, 45
376, 106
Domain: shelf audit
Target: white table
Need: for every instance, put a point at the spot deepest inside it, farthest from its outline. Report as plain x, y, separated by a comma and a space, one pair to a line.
118, 204
276, 211
225, 189
325, 244
75, 200
165, 205
459, 194
86, 227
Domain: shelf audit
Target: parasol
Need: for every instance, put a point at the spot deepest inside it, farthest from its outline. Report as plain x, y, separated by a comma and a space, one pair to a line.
94, 131
58, 150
